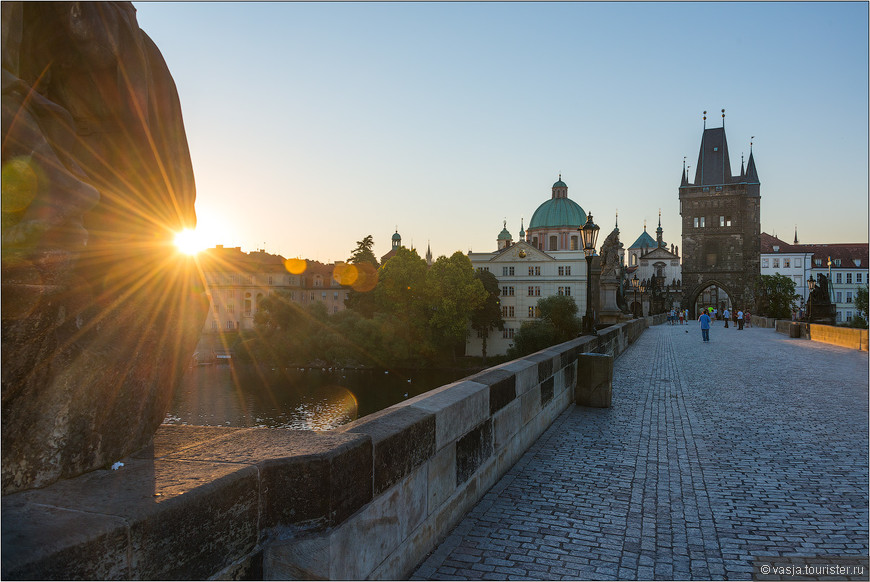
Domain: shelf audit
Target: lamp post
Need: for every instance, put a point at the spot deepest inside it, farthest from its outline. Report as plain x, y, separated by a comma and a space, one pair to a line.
634, 283
589, 232
811, 284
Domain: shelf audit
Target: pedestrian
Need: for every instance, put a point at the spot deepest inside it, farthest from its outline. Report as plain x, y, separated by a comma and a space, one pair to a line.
734, 318
681, 317
715, 314
740, 319
725, 315
705, 325
748, 319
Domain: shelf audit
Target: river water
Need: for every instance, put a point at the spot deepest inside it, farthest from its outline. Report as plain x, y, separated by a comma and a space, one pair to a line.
296, 398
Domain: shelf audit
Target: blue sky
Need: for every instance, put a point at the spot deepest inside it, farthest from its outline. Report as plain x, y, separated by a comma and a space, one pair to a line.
312, 125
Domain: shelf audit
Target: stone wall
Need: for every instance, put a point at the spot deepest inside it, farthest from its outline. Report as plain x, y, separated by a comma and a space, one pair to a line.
847, 337
367, 500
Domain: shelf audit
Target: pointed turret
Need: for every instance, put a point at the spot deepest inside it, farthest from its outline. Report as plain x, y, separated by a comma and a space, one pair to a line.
684, 181
714, 165
751, 172
659, 242
795, 235
522, 232
428, 253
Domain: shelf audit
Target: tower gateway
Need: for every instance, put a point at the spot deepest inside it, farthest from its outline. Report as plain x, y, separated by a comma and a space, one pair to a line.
721, 228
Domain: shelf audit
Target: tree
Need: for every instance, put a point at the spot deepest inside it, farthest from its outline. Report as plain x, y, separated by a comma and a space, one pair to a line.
532, 336
453, 293
861, 302
487, 316
777, 296
363, 252
561, 311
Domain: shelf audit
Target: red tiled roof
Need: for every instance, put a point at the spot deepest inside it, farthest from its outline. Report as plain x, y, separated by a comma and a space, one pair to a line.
846, 252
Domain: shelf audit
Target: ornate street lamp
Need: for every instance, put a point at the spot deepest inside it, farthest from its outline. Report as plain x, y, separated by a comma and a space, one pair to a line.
589, 232
811, 284
635, 282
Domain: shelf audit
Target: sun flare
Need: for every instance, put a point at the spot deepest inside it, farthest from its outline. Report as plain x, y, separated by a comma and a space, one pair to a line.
189, 242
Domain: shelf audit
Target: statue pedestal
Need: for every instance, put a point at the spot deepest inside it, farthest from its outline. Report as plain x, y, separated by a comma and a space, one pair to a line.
610, 312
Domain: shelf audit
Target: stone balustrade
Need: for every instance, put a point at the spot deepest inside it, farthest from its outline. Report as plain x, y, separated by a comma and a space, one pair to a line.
367, 500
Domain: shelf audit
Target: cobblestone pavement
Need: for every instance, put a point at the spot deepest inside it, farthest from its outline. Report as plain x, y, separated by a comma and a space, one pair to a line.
751, 445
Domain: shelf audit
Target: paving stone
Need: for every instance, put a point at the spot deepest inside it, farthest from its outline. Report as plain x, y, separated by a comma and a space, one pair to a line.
752, 445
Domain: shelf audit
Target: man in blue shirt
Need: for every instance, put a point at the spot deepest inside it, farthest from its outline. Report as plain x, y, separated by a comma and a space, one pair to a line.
705, 326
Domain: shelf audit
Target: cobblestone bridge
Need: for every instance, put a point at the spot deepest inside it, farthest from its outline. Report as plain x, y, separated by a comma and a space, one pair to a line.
713, 454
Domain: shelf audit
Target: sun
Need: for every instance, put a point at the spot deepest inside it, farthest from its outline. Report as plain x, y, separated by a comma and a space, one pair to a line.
189, 242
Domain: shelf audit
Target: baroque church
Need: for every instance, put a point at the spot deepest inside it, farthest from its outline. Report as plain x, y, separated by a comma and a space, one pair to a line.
545, 260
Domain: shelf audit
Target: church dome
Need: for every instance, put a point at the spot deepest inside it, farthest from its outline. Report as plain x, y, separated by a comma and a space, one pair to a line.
560, 184
558, 212
504, 234
397, 236
644, 240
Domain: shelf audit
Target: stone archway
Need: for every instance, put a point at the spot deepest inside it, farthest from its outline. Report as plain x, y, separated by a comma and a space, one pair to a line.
709, 294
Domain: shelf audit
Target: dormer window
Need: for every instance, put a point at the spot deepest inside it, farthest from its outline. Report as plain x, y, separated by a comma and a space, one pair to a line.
776, 248
857, 262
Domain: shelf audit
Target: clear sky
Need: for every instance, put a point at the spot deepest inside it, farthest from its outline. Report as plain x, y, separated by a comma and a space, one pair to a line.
312, 125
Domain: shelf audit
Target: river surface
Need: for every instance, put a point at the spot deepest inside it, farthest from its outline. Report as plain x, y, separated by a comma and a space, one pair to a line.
310, 399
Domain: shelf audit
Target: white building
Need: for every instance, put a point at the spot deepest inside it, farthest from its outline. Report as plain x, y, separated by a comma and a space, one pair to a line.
845, 264
547, 260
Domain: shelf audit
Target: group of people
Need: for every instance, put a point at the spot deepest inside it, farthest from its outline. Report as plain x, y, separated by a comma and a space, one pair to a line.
681, 315
710, 314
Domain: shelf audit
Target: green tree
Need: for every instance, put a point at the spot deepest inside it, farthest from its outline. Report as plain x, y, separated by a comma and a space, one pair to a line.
532, 336
861, 305
453, 293
487, 317
776, 295
363, 252
561, 311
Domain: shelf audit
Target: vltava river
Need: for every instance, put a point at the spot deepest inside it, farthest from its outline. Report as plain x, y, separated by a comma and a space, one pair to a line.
313, 399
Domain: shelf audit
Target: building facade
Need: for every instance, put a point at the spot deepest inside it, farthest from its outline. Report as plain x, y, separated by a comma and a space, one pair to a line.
237, 282
547, 260
721, 223
650, 260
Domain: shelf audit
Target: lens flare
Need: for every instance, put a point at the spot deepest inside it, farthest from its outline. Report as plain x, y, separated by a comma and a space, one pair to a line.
366, 278
295, 266
345, 274
20, 182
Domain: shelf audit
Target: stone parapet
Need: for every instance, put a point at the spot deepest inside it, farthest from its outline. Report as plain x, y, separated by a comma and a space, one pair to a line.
366, 500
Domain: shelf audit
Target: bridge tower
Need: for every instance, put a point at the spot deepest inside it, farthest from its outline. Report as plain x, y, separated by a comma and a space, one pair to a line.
721, 216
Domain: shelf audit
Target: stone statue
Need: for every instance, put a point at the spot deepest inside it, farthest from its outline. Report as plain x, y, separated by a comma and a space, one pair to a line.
610, 256
99, 311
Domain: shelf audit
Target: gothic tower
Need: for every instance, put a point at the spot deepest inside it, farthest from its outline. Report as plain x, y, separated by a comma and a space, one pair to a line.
721, 225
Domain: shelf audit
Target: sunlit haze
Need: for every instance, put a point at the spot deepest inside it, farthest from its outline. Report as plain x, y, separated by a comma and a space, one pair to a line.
312, 125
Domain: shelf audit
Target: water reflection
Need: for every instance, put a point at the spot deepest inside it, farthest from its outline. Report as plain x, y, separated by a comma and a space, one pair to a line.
307, 399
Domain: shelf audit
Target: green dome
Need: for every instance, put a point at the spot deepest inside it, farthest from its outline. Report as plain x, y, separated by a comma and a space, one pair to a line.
504, 235
560, 184
644, 240
397, 236
558, 212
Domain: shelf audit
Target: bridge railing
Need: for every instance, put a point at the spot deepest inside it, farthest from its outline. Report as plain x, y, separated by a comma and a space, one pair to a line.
366, 500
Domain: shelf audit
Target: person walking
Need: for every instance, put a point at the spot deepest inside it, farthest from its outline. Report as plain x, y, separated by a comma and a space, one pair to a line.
740, 319
705, 325
748, 319
726, 315
681, 317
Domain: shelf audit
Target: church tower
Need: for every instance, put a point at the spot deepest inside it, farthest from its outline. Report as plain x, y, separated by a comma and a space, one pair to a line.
721, 216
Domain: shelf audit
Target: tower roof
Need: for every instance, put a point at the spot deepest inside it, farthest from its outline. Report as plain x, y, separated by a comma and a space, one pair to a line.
504, 234
558, 212
714, 165
751, 172
397, 236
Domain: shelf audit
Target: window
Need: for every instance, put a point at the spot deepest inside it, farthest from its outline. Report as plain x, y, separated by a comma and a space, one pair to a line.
318, 282
786, 263
335, 296
848, 278
776, 263
293, 296
554, 241
534, 291
721, 221
534, 271
697, 222
565, 271
507, 333
507, 291
797, 263
574, 245
217, 308
848, 297
323, 296
839, 316
214, 324
483, 269
818, 262
839, 296
249, 279
231, 308
727, 221
848, 316
859, 277
230, 325
270, 279
836, 262
533, 311
765, 263
565, 291
507, 311
703, 221
839, 277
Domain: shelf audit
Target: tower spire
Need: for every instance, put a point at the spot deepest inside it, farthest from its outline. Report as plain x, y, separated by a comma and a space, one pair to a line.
659, 241
795, 235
